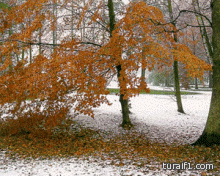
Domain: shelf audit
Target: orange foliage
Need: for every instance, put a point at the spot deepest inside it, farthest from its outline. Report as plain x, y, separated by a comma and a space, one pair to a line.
82, 68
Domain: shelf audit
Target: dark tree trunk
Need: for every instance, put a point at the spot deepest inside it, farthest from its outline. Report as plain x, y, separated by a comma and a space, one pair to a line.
210, 80
126, 123
143, 68
143, 71
177, 88
211, 134
167, 81
176, 72
196, 83
125, 112
124, 102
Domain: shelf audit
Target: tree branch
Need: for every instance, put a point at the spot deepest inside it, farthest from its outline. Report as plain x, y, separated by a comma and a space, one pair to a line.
47, 44
185, 11
190, 11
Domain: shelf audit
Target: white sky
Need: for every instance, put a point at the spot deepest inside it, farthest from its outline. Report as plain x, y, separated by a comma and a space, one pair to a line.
126, 1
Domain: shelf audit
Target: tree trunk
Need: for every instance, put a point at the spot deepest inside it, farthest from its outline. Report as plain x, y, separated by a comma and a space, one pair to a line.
124, 106
176, 72
203, 30
124, 102
55, 22
210, 80
177, 88
194, 52
40, 35
196, 83
211, 134
143, 68
206, 39
143, 71
72, 18
167, 80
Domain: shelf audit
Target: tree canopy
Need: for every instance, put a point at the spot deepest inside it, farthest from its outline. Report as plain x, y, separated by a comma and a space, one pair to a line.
141, 37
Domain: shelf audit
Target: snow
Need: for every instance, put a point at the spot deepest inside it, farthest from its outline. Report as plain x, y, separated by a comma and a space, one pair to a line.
154, 115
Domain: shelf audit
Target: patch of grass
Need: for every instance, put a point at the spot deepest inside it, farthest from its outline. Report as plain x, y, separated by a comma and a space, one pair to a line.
3, 5
156, 92
202, 89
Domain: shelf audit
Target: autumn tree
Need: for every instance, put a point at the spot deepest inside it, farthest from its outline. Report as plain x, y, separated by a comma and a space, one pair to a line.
211, 133
202, 17
175, 66
76, 73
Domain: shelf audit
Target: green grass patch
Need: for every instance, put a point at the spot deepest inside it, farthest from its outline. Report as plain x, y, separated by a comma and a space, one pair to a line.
156, 92
201, 89
3, 5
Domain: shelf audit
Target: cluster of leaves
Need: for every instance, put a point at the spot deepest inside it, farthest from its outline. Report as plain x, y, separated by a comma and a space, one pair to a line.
37, 141
77, 66
130, 148
86, 70
34, 124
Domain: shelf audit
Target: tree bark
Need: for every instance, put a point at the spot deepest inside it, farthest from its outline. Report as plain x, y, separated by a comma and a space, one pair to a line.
40, 35
143, 68
194, 52
177, 88
72, 18
196, 83
210, 80
55, 22
203, 30
211, 133
124, 106
167, 83
124, 102
175, 67
143, 71
206, 39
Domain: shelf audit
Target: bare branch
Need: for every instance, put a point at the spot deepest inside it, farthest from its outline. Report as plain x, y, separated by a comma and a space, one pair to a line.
48, 44
190, 11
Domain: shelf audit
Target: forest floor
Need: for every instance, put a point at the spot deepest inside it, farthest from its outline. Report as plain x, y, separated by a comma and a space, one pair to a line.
101, 147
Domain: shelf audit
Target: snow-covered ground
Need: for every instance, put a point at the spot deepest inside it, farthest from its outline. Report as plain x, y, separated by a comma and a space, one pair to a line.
154, 115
